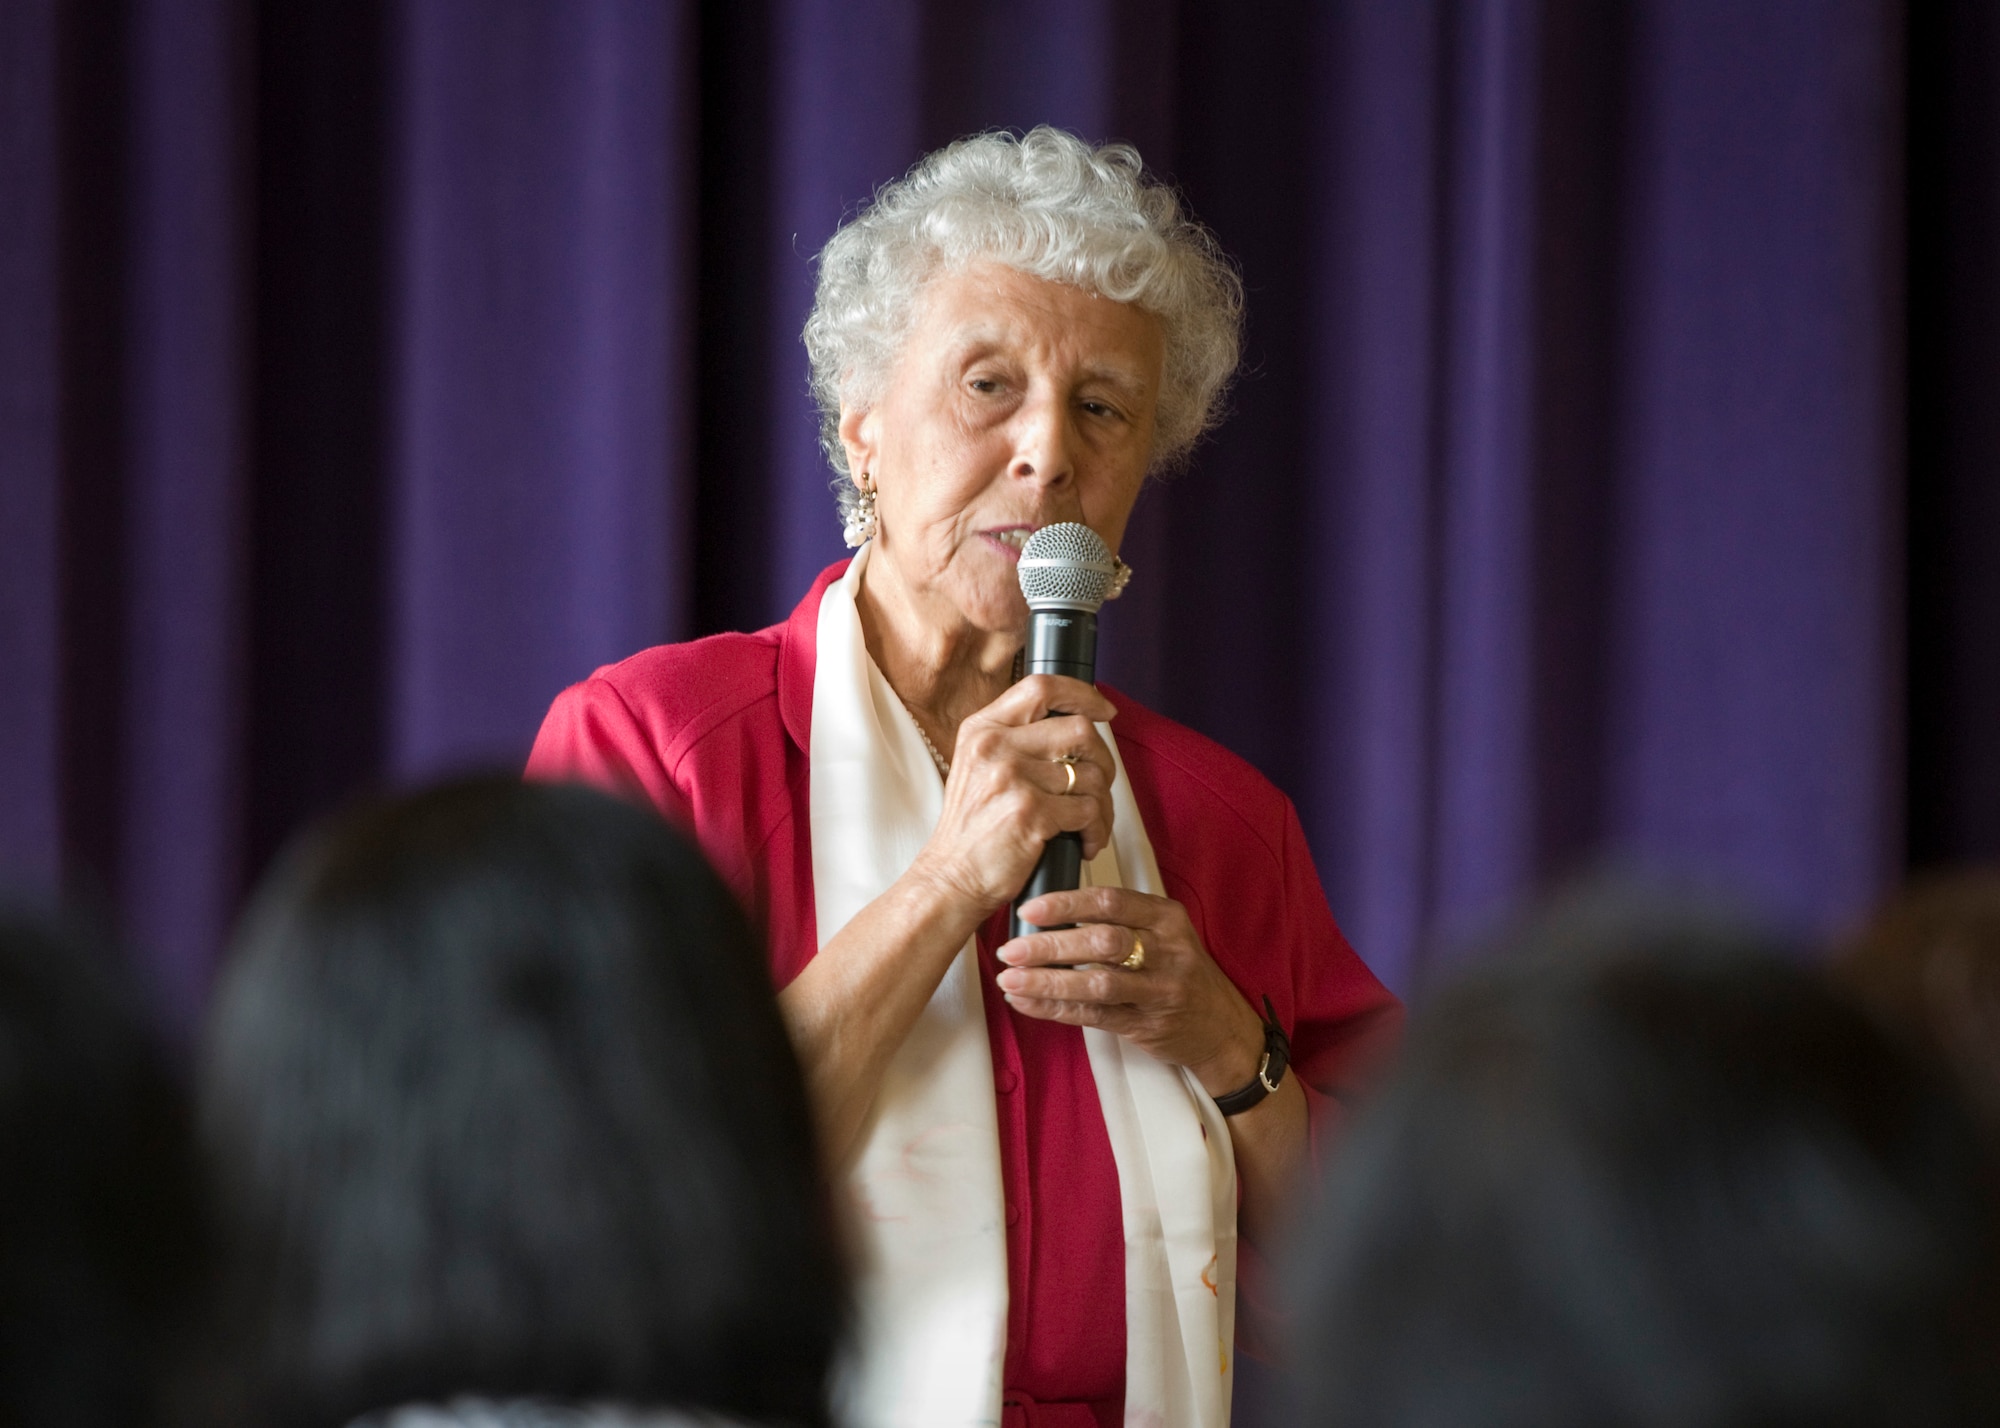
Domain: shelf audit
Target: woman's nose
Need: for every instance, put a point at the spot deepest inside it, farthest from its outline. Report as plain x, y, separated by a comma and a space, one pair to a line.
1044, 444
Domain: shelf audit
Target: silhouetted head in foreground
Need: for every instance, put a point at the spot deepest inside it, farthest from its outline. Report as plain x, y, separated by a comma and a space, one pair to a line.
100, 1221
502, 1107
1928, 964
1639, 1170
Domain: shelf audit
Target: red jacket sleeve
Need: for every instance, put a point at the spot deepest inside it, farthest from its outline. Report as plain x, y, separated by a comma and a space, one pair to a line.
1345, 1022
591, 736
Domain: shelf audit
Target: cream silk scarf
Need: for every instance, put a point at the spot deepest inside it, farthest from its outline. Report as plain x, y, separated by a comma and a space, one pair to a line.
925, 1181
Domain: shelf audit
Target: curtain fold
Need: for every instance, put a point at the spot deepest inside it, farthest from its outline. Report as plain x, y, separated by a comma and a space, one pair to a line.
184, 390
542, 255
1615, 460
31, 826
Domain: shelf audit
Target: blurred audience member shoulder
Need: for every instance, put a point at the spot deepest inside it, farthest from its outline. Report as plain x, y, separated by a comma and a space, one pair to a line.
1641, 1166
1928, 966
532, 1413
508, 1131
101, 1221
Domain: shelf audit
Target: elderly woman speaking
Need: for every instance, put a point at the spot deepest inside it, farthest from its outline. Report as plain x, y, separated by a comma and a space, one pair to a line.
1049, 1141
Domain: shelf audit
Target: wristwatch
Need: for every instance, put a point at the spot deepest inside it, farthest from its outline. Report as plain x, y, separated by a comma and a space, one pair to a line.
1270, 1071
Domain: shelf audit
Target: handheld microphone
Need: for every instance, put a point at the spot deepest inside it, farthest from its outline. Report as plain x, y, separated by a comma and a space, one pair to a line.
1066, 574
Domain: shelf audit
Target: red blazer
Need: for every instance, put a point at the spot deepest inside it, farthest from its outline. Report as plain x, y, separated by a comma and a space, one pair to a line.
714, 734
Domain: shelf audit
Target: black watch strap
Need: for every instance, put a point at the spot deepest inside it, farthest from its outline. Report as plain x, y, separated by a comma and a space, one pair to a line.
1277, 1056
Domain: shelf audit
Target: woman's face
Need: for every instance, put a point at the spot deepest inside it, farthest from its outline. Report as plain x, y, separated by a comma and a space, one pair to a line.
1015, 403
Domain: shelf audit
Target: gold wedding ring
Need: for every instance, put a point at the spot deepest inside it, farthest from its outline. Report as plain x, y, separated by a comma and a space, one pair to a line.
1135, 960
1068, 761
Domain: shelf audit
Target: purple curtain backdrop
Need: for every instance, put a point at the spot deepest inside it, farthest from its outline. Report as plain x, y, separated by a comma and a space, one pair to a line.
369, 370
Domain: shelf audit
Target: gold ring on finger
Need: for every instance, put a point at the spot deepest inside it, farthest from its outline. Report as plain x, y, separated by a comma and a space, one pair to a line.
1135, 960
1068, 762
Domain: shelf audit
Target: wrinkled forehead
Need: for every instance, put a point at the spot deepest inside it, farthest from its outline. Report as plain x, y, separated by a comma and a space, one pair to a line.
990, 306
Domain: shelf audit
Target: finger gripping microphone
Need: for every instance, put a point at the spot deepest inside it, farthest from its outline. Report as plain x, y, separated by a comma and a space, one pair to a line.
1066, 574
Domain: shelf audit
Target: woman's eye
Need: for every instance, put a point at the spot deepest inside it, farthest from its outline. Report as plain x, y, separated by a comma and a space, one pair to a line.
984, 384
1100, 409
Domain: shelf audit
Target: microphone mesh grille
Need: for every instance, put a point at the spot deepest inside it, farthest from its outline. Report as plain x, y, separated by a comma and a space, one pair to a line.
1066, 564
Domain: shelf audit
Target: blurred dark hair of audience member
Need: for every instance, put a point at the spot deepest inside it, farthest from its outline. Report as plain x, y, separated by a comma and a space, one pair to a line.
100, 1210
1928, 965
1639, 1170
509, 1132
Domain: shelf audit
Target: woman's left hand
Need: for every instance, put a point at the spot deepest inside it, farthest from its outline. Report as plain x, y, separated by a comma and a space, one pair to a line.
1178, 1005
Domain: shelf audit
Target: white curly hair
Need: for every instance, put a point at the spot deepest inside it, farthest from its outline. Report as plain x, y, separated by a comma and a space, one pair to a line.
1050, 205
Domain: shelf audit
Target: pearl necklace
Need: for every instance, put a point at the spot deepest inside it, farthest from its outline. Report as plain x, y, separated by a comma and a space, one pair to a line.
943, 767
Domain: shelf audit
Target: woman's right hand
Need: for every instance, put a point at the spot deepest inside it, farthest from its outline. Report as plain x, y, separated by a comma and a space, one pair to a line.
1005, 798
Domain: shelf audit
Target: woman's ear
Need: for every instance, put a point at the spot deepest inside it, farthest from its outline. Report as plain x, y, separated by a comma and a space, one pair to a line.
857, 437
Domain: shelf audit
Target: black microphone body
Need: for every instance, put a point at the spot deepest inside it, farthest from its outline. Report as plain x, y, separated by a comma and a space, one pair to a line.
1060, 641
1066, 574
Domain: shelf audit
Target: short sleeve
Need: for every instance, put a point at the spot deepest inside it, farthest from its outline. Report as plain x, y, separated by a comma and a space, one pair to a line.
1344, 1021
591, 736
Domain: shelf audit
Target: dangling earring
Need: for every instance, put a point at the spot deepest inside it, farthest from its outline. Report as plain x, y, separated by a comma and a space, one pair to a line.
860, 528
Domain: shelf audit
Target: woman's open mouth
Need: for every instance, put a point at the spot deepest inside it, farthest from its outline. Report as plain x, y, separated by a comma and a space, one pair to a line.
1008, 539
